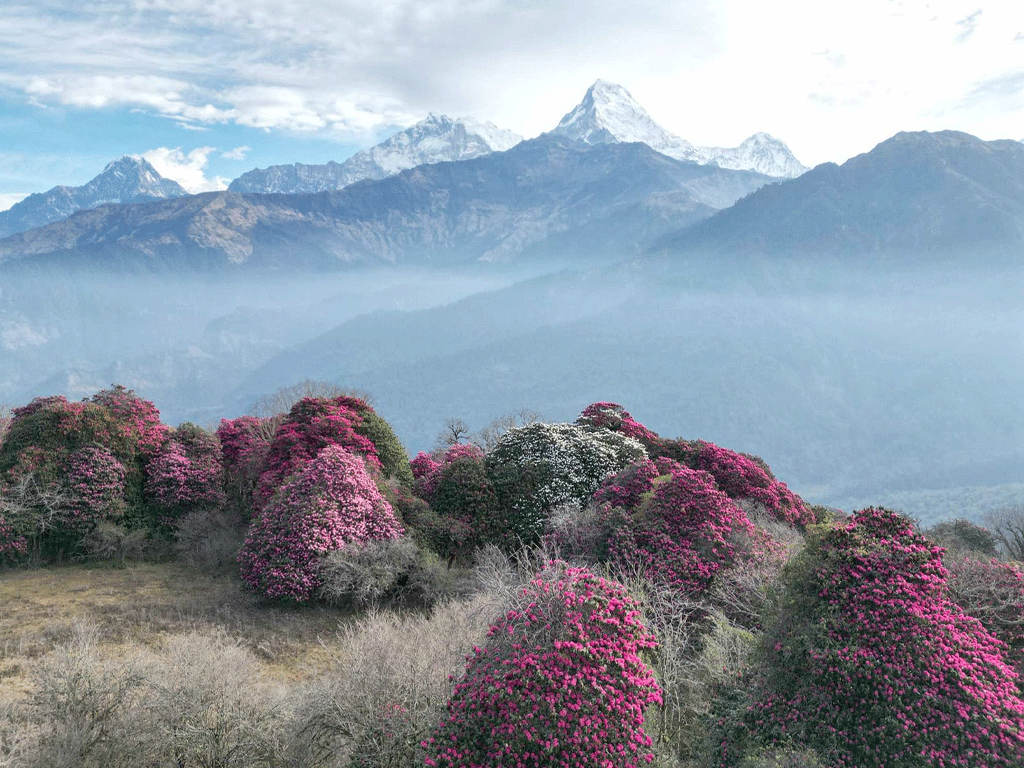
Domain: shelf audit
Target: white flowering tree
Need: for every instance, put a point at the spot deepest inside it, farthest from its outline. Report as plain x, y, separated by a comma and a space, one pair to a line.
540, 467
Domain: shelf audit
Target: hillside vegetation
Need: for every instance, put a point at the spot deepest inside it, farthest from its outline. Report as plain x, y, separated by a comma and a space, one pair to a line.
292, 590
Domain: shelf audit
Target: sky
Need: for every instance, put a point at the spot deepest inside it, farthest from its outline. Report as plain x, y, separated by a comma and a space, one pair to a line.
208, 89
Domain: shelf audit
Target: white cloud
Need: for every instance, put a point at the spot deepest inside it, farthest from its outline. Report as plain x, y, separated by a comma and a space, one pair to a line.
188, 169
238, 153
829, 78
7, 200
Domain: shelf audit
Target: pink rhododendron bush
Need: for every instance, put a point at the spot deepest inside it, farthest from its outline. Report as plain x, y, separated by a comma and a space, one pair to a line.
740, 476
186, 475
330, 503
314, 423
871, 663
66, 466
560, 683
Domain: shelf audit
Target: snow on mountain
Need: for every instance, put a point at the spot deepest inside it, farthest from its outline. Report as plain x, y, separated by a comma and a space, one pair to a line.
762, 153
125, 180
610, 114
436, 139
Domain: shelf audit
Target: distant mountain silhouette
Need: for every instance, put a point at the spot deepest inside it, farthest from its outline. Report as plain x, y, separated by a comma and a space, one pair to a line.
915, 193
544, 198
125, 180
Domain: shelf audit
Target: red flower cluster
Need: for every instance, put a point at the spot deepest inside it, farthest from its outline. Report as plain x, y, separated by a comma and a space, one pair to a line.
874, 665
559, 684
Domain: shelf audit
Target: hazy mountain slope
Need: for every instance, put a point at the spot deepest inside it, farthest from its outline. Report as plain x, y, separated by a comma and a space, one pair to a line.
436, 139
492, 208
916, 193
125, 180
864, 388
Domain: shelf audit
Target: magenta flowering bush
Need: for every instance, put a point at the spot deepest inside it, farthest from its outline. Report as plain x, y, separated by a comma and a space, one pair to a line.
94, 484
427, 468
684, 534
310, 426
560, 682
873, 665
70, 465
614, 417
743, 477
625, 489
244, 443
185, 475
331, 502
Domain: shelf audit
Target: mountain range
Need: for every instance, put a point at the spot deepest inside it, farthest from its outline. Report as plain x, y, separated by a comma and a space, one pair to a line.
436, 139
607, 114
125, 180
915, 193
544, 198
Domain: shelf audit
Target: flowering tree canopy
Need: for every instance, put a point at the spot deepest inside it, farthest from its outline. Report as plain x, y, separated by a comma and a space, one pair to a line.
559, 684
539, 467
873, 664
331, 502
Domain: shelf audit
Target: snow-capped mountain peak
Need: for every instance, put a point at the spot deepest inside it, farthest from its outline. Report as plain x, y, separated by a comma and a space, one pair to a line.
761, 152
125, 180
608, 113
436, 138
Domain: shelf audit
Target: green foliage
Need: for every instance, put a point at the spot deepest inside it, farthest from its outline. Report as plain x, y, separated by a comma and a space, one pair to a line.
539, 467
390, 451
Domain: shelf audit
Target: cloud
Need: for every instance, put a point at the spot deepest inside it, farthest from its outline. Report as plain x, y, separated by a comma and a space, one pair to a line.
1007, 88
7, 200
238, 153
967, 25
189, 169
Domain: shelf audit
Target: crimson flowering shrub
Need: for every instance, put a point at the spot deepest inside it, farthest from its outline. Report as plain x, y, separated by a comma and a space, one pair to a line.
872, 664
244, 443
684, 534
427, 468
744, 477
625, 489
331, 502
185, 475
94, 481
559, 683
310, 426
137, 419
71, 465
540, 467
13, 543
614, 417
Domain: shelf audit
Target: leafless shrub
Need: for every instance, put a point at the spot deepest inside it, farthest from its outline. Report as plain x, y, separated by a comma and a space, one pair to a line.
489, 436
205, 707
281, 400
80, 705
1007, 525
390, 680
368, 573
5, 421
109, 541
209, 540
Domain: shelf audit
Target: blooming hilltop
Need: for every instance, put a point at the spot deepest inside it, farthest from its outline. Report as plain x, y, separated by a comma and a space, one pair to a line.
638, 599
